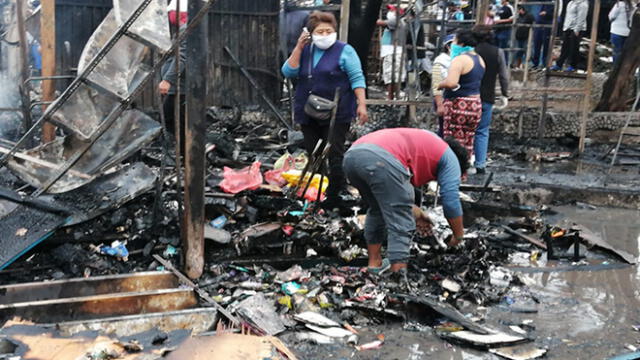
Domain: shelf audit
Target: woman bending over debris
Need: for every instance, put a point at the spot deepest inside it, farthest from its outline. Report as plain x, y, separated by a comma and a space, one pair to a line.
321, 67
462, 105
384, 166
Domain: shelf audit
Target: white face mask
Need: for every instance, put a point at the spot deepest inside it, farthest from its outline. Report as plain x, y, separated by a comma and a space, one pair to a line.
324, 42
391, 16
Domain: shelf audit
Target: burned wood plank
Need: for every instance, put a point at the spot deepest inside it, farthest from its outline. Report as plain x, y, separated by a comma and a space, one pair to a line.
80, 287
194, 157
197, 320
92, 307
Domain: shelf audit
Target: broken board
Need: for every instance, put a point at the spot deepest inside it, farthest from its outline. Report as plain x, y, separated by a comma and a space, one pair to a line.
519, 352
25, 227
446, 310
484, 341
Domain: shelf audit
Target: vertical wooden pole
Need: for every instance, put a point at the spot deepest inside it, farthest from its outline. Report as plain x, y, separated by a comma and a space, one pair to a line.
547, 71
196, 95
527, 56
24, 63
586, 103
345, 11
482, 12
48, 50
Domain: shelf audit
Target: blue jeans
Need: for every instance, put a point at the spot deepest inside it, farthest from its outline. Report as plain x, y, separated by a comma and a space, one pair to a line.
502, 41
385, 186
618, 44
520, 54
481, 142
540, 46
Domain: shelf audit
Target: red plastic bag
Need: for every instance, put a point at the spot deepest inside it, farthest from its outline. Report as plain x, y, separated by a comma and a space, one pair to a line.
236, 181
312, 194
274, 177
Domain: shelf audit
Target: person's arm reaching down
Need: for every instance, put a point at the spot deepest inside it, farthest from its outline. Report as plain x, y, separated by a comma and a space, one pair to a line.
449, 180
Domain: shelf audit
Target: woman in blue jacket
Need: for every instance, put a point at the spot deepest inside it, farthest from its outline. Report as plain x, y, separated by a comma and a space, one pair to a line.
321, 64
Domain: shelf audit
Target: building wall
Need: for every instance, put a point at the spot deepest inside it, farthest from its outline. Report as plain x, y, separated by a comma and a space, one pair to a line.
248, 27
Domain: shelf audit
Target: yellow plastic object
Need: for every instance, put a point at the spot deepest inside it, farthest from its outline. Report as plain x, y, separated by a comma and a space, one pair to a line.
293, 177
288, 161
286, 301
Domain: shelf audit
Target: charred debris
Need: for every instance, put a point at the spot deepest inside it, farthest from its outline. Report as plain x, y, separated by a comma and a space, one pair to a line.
276, 264
92, 261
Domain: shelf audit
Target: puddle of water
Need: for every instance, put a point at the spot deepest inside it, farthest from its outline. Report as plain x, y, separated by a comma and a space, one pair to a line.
590, 314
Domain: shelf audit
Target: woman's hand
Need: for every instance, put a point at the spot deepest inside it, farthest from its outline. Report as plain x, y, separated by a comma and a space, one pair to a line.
440, 110
303, 39
361, 113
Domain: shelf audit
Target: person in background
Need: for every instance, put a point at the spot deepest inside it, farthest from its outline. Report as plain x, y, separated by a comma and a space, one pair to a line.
415, 29
541, 36
620, 17
322, 65
462, 105
385, 166
490, 16
505, 15
454, 13
394, 31
495, 68
439, 72
522, 36
169, 76
290, 25
575, 23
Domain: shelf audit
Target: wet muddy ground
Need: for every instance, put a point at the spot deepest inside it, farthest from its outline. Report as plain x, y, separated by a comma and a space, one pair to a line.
581, 314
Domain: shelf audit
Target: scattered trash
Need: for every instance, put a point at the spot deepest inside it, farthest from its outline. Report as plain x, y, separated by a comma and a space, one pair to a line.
260, 313
248, 178
117, 249
450, 285
519, 352
372, 345
216, 234
21, 232
219, 222
291, 288
170, 251
315, 319
314, 337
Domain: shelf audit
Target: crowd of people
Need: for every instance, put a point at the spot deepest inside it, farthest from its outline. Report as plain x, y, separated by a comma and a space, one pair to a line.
387, 166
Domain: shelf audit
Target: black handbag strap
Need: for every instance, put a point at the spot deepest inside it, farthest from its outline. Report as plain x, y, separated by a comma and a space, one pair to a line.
309, 76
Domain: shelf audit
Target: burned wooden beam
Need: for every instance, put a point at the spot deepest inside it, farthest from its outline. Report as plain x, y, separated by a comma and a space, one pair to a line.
80, 287
92, 307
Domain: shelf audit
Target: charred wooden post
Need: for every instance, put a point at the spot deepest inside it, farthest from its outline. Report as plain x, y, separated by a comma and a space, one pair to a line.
344, 20
547, 71
586, 102
196, 95
48, 49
